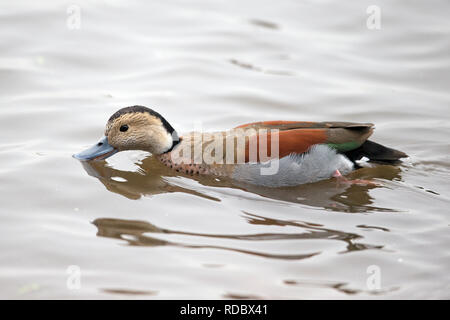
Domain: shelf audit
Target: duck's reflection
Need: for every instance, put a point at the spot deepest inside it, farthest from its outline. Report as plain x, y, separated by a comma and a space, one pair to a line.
148, 180
154, 178
142, 233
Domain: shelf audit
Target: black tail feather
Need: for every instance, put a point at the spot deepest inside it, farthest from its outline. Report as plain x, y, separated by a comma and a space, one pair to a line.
375, 152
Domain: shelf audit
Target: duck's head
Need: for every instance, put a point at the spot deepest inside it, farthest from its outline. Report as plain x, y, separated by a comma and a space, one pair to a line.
133, 128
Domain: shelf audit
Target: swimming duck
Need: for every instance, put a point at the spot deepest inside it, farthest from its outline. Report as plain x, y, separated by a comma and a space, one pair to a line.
268, 153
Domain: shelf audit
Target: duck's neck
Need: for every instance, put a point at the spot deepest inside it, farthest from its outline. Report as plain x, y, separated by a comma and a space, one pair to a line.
164, 143
175, 141
162, 137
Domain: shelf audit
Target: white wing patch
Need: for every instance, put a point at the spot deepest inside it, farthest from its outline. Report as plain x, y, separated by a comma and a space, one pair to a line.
318, 163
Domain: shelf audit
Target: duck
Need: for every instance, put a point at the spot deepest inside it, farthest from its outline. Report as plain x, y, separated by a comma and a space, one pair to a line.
267, 153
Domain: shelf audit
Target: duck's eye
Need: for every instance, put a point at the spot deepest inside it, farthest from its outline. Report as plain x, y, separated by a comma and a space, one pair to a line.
123, 128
